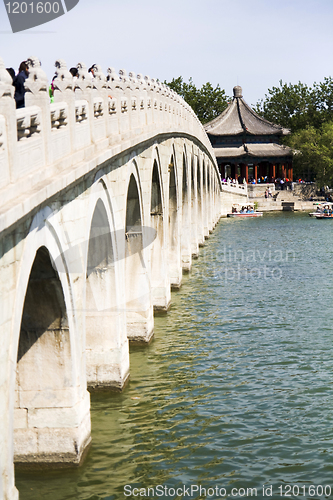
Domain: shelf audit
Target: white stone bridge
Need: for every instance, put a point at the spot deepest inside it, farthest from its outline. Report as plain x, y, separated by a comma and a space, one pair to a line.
106, 196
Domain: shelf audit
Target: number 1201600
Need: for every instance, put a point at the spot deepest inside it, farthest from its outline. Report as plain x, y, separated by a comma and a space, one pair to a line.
31, 8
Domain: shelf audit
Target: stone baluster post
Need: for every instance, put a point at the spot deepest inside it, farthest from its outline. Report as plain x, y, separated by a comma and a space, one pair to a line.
114, 94
37, 94
83, 87
156, 100
100, 103
127, 93
150, 102
135, 104
143, 100
9, 130
64, 92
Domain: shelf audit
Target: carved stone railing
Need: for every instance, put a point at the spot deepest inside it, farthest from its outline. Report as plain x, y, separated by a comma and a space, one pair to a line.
28, 122
88, 115
234, 187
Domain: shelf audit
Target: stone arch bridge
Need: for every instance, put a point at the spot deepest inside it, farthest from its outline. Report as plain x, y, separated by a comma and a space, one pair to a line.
106, 196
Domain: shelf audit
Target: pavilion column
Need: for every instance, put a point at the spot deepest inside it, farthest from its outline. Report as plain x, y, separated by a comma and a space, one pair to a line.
256, 173
273, 171
283, 168
290, 172
247, 174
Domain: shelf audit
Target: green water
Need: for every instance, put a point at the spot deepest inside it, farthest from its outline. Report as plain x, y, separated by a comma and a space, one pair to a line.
236, 389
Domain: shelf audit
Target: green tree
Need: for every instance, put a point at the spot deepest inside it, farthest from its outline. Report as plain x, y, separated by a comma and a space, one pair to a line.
297, 106
314, 153
292, 106
207, 102
308, 113
323, 93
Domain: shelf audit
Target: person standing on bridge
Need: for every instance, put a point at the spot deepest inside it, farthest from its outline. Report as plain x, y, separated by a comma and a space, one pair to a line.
19, 84
92, 71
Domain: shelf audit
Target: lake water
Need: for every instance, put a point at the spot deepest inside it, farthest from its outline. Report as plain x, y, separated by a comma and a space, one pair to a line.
236, 390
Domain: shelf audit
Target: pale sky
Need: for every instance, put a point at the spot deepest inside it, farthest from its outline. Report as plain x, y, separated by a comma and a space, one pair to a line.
252, 43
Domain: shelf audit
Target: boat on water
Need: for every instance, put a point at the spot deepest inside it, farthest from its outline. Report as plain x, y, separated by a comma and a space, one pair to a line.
247, 210
324, 210
324, 216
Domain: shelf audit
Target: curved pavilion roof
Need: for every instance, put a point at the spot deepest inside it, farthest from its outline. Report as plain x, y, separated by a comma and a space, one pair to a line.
253, 150
239, 118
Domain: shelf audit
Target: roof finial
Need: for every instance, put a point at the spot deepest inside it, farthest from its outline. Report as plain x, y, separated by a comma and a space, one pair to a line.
238, 91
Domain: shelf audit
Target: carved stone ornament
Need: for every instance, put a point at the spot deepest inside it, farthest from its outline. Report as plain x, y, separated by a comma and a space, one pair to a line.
124, 78
133, 79
123, 75
6, 87
37, 79
113, 80
148, 83
64, 79
141, 81
112, 75
153, 83
83, 81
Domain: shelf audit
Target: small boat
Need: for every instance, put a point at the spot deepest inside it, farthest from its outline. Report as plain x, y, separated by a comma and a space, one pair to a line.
324, 216
247, 210
324, 210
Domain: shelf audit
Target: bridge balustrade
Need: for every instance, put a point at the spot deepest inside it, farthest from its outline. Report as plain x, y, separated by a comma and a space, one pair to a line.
88, 115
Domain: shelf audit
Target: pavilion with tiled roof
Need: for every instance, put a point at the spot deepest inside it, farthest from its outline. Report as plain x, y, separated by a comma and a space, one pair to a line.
247, 145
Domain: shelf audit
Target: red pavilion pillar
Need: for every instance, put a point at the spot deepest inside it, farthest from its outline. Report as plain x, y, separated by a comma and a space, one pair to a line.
283, 171
256, 173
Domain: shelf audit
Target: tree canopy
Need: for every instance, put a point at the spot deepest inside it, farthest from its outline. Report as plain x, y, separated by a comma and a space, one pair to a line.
297, 106
308, 113
207, 102
314, 153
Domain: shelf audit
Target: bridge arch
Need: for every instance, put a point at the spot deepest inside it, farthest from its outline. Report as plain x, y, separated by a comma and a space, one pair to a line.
107, 356
186, 213
194, 206
174, 243
205, 197
160, 282
139, 310
200, 227
52, 406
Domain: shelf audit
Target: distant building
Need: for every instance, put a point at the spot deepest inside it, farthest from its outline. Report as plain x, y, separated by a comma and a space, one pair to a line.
247, 146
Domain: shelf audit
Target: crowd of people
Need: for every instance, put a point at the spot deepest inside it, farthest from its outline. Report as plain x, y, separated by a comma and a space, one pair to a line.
23, 73
280, 183
245, 209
